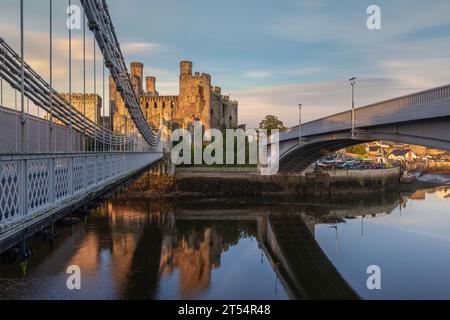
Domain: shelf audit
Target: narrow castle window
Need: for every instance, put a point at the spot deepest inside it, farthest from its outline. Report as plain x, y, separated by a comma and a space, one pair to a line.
172, 104
164, 105
146, 105
231, 118
212, 111
155, 105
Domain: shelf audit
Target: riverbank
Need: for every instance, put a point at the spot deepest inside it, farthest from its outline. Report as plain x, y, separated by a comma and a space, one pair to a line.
246, 182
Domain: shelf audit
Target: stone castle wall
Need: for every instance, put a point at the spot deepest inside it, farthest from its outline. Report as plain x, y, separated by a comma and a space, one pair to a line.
93, 105
121, 120
197, 100
224, 112
157, 107
230, 113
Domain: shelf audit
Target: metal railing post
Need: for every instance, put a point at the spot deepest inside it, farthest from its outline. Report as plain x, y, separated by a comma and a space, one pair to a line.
51, 179
71, 177
22, 80
23, 187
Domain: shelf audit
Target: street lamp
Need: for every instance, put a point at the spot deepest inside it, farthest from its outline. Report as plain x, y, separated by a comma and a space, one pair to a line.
300, 122
352, 83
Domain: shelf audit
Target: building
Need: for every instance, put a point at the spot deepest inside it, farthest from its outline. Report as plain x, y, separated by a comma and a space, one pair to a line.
377, 151
93, 105
402, 155
197, 100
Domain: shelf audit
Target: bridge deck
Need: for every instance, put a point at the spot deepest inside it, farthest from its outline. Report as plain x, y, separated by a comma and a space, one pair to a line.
38, 187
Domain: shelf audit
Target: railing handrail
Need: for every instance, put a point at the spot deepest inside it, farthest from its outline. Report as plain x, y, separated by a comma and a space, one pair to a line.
33, 184
374, 105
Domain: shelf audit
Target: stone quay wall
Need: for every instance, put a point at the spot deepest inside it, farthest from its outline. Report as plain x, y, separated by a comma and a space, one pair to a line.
247, 182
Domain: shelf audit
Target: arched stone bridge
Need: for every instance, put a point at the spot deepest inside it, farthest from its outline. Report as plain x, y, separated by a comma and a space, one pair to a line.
422, 118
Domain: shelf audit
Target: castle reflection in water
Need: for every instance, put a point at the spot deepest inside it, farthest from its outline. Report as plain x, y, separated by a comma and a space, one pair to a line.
135, 249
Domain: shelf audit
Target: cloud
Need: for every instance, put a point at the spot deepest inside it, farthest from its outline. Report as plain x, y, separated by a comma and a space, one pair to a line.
418, 73
306, 71
142, 47
311, 4
257, 74
320, 99
408, 55
350, 28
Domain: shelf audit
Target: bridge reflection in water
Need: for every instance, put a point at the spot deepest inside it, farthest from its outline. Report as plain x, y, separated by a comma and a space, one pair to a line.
139, 250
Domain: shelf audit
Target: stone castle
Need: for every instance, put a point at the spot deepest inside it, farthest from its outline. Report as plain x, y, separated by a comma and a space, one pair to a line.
197, 100
93, 105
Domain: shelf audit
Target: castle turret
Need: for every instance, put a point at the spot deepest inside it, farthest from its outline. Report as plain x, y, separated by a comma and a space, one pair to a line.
217, 90
136, 77
150, 85
185, 68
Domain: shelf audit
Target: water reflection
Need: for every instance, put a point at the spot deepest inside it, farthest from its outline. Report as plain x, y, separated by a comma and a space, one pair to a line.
410, 243
137, 249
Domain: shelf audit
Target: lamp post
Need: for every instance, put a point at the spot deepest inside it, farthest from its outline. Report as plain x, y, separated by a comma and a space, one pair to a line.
352, 83
300, 122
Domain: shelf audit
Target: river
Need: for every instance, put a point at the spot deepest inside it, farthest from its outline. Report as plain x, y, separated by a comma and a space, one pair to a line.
237, 249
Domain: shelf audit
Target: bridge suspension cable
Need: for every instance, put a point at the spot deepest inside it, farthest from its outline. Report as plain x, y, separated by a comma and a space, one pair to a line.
31, 86
103, 99
84, 79
38, 91
100, 23
22, 78
51, 142
95, 94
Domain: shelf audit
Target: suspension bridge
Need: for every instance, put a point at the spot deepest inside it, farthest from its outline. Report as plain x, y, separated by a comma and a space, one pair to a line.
61, 159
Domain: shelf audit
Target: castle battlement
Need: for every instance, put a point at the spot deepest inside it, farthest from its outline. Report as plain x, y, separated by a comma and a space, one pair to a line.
216, 90
197, 99
92, 101
147, 97
79, 98
76, 96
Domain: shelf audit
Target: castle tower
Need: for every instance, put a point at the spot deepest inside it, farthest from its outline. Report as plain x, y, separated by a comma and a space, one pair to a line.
217, 90
137, 69
194, 97
185, 68
150, 85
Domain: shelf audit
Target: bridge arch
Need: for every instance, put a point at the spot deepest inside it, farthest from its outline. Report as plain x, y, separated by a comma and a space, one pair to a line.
297, 157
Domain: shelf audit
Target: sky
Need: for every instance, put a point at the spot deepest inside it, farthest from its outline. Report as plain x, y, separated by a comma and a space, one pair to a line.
268, 55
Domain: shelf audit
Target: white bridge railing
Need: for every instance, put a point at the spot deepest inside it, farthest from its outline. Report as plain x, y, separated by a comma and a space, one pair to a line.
35, 183
432, 103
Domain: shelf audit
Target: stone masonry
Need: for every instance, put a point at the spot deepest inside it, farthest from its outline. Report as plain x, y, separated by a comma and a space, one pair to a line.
197, 100
93, 105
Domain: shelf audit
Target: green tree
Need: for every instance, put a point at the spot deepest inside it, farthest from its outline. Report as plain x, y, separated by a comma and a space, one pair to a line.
271, 123
359, 149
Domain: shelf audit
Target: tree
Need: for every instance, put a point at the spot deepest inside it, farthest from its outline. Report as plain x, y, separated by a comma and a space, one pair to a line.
359, 149
271, 123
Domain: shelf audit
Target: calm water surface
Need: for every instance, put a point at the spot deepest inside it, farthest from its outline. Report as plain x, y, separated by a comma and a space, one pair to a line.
136, 249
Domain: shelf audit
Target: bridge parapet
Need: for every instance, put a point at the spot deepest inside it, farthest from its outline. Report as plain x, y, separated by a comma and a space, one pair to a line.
32, 185
433, 103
